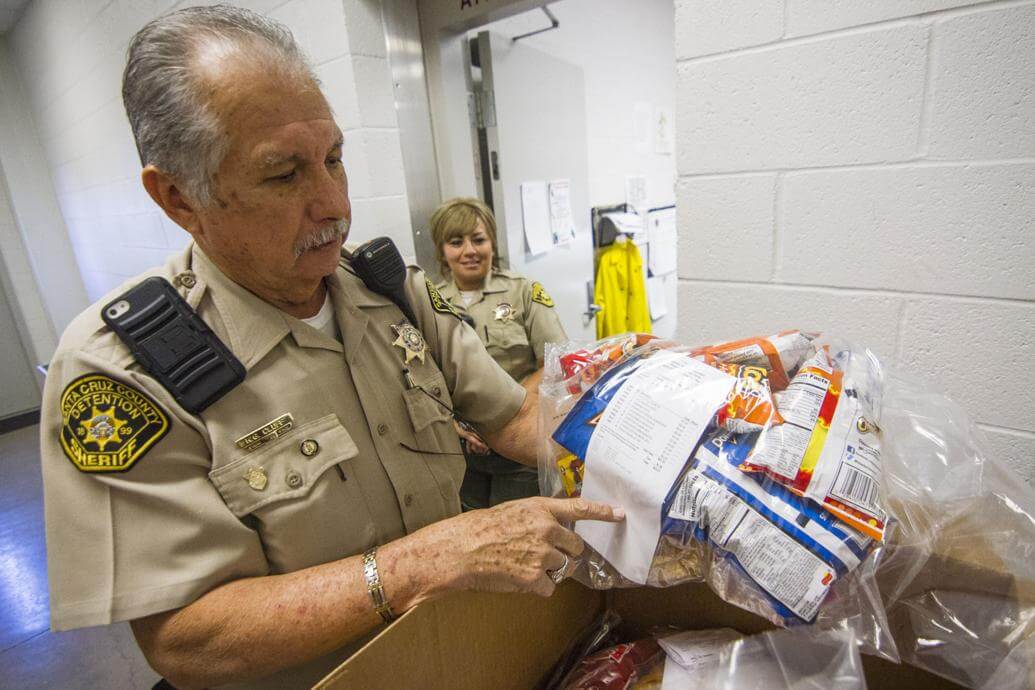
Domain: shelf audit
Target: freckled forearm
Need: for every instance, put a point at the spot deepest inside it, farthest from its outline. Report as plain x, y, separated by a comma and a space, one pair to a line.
254, 627
251, 628
519, 438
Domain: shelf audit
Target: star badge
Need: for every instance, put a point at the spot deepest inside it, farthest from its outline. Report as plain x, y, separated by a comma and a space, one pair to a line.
103, 427
411, 341
503, 312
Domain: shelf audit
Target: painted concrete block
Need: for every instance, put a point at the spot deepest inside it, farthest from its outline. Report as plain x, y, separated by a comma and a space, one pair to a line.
713, 26
375, 92
176, 238
983, 87
848, 99
815, 16
384, 161
318, 26
354, 158
366, 32
1015, 450
725, 227
143, 230
955, 229
338, 82
977, 351
712, 312
388, 216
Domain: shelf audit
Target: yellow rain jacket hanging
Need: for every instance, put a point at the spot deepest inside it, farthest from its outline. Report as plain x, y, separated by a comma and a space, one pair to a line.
621, 291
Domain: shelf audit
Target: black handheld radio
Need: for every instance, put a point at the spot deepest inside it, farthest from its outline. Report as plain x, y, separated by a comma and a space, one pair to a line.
380, 266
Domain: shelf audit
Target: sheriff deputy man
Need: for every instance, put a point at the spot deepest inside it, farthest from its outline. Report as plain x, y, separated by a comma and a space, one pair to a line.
258, 542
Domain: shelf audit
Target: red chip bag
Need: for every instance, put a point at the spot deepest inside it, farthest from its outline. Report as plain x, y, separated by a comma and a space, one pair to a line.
615, 668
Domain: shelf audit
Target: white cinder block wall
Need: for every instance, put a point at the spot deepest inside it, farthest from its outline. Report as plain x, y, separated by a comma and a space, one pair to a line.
867, 168
71, 55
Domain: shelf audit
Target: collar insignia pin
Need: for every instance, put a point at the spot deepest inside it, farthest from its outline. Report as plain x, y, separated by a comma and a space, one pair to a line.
411, 341
256, 478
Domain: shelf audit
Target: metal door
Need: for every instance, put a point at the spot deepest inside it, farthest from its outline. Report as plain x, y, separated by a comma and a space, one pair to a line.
18, 391
533, 112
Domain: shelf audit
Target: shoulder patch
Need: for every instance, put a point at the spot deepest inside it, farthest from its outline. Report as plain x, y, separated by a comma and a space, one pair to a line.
440, 303
539, 295
107, 425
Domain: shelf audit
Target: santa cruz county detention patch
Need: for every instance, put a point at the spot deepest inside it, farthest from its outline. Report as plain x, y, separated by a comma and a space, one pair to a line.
440, 303
539, 295
106, 425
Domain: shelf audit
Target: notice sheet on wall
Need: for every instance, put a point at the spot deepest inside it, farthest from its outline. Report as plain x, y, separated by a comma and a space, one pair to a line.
661, 229
535, 215
562, 222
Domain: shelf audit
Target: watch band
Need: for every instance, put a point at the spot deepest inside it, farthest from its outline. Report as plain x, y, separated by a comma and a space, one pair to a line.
374, 587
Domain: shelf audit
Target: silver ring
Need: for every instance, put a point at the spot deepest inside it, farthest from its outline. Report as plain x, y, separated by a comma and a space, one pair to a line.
560, 573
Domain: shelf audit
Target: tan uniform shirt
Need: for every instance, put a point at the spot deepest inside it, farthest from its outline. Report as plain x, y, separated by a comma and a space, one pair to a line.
515, 319
368, 456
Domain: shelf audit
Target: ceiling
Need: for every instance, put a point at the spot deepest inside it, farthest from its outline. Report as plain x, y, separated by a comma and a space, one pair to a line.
9, 11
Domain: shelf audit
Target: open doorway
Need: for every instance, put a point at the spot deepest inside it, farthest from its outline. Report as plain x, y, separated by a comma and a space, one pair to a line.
583, 91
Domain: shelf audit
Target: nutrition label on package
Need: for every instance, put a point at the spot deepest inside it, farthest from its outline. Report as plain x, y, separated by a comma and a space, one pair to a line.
780, 565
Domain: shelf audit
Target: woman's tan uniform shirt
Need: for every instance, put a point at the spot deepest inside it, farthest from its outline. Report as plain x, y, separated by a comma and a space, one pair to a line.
368, 457
515, 319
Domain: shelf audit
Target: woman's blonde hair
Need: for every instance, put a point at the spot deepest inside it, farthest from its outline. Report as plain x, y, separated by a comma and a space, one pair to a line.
458, 218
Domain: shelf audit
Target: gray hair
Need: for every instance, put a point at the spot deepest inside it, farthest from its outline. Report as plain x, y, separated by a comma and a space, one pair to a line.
174, 127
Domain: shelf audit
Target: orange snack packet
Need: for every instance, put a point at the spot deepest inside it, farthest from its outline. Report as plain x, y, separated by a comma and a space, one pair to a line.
749, 407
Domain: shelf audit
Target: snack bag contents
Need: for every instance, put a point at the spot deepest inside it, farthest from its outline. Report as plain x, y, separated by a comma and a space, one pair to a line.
582, 367
750, 406
776, 495
570, 467
780, 354
636, 665
825, 448
788, 546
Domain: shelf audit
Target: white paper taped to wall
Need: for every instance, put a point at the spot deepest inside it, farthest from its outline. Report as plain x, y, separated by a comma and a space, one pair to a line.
664, 132
535, 214
636, 192
656, 297
661, 230
562, 224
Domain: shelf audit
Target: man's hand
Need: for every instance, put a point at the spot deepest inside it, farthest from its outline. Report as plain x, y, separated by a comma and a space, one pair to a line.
475, 444
508, 548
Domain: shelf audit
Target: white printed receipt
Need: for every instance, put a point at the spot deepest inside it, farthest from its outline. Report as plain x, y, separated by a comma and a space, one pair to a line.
641, 444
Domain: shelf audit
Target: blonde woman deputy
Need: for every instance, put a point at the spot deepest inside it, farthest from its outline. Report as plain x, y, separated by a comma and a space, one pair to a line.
513, 316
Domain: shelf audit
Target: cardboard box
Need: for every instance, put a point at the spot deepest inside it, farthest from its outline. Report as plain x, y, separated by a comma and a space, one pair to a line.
500, 641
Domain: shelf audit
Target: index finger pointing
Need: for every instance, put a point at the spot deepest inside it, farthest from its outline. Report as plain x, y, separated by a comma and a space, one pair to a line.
574, 509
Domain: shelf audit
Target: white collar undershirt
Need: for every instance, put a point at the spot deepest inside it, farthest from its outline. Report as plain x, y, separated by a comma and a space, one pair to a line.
323, 320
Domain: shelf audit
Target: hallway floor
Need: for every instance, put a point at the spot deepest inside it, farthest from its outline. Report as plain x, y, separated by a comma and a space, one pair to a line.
31, 656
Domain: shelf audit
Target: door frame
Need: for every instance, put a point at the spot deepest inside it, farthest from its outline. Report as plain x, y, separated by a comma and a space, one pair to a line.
425, 43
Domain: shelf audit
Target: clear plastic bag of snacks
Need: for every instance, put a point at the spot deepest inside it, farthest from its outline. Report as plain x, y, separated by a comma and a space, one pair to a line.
797, 659
802, 481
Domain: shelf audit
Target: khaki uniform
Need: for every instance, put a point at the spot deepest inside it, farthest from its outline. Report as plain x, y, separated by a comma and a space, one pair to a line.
515, 319
368, 457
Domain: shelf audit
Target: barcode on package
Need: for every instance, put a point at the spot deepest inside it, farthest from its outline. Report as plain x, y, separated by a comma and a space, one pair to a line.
857, 488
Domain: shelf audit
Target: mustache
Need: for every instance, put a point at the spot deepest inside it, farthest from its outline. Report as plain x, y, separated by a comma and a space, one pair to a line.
329, 233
